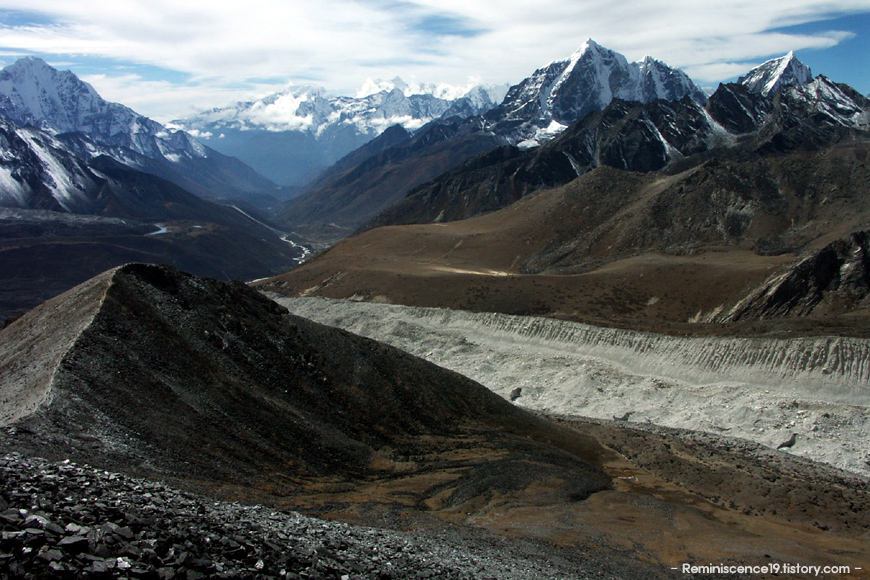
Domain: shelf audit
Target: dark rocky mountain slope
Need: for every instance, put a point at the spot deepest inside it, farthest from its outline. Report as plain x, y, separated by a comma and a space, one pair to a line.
379, 174
161, 373
734, 123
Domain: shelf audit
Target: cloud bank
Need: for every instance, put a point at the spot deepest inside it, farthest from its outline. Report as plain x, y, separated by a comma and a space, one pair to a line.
214, 52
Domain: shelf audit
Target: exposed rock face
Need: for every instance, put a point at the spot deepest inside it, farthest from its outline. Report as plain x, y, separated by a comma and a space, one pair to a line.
206, 380
833, 280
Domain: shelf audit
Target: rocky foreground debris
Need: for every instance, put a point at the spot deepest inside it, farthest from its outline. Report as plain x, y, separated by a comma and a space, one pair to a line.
63, 520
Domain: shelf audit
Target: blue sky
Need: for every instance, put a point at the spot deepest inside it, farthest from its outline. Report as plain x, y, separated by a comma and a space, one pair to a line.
849, 60
171, 58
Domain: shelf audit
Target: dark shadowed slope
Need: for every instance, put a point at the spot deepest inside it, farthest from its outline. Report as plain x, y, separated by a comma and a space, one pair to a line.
160, 372
735, 123
379, 174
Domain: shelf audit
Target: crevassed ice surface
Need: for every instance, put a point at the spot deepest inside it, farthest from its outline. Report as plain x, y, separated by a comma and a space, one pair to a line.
762, 390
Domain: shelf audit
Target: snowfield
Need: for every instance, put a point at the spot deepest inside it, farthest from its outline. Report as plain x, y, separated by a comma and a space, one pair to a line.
763, 390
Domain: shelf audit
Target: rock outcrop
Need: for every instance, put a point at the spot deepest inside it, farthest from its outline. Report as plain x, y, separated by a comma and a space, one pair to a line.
834, 280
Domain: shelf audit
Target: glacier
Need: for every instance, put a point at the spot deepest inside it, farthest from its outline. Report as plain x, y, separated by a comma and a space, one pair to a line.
758, 389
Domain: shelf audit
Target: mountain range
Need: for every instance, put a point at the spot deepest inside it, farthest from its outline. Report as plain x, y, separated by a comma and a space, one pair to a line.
447, 162
532, 112
597, 191
36, 94
735, 121
293, 135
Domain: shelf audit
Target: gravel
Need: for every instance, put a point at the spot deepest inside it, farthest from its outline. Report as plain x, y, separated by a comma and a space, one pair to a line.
63, 520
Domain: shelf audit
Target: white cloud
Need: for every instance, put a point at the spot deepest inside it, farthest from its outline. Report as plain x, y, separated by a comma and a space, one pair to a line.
223, 46
165, 101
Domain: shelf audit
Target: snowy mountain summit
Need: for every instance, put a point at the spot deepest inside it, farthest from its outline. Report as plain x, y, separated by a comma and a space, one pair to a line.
292, 135
34, 93
59, 103
783, 71
566, 90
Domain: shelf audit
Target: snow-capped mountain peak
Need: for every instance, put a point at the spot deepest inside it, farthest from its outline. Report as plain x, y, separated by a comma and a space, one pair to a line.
32, 92
59, 103
783, 71
566, 90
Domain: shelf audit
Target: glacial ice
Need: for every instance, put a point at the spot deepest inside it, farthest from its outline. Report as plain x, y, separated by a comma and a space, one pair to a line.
758, 389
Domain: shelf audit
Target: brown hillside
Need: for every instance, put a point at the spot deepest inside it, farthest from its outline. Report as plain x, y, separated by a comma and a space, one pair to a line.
650, 250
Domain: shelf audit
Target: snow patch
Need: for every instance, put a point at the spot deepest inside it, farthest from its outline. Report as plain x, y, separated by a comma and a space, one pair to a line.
64, 187
13, 193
